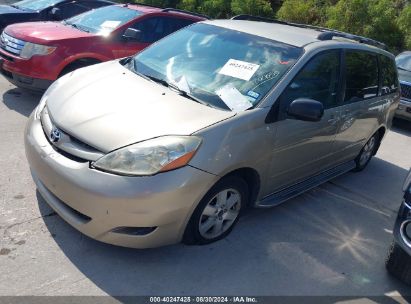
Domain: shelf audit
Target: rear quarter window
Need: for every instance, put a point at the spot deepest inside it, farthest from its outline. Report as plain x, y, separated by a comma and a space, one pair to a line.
389, 77
361, 76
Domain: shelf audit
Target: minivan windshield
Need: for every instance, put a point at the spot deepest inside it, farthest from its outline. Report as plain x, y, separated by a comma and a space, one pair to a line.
403, 61
217, 66
103, 20
35, 5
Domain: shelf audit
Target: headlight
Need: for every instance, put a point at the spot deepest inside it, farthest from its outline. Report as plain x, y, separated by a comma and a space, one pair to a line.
31, 49
150, 157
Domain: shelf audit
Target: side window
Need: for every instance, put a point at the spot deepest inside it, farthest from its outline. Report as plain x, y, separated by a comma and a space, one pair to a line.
176, 24
389, 76
317, 80
361, 76
152, 29
71, 9
155, 28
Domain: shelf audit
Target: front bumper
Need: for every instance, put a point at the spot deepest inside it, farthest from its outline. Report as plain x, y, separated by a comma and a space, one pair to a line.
98, 203
35, 74
402, 228
404, 110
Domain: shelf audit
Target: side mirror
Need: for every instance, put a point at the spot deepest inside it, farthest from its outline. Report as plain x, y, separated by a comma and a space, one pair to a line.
132, 34
306, 109
55, 14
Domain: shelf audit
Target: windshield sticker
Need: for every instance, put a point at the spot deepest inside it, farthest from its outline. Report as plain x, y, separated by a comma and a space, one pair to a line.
252, 96
233, 98
266, 77
239, 69
110, 24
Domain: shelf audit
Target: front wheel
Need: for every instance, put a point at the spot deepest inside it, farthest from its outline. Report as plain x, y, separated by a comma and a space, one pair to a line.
366, 153
218, 212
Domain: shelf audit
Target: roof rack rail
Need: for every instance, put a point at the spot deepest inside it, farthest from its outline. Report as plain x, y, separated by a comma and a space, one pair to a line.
329, 35
326, 33
257, 18
184, 12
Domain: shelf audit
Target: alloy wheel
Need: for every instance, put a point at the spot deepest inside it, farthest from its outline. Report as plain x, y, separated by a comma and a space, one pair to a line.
220, 213
367, 151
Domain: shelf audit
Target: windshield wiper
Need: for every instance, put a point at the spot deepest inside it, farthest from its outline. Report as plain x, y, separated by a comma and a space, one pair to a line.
174, 87
186, 94
77, 27
158, 80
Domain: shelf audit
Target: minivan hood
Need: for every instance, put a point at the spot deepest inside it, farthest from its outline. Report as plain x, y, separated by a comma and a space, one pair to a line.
108, 107
39, 32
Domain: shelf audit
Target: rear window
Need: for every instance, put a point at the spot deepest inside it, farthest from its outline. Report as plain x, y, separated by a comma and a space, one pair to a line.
389, 75
361, 76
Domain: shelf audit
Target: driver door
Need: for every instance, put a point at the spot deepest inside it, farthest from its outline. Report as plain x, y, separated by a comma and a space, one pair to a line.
304, 148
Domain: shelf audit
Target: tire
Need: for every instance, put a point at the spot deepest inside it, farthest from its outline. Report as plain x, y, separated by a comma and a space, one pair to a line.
214, 218
398, 263
74, 66
367, 152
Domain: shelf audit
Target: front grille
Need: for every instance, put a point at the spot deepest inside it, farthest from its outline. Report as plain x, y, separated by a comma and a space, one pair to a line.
66, 144
406, 90
11, 44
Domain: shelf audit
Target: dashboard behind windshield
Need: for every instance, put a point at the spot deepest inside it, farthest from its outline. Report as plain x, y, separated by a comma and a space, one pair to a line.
104, 20
224, 68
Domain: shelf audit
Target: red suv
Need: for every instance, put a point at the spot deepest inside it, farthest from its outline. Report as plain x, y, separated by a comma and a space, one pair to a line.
34, 54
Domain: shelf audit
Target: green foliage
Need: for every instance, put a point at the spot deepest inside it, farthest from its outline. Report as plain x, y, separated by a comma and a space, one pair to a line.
404, 23
388, 21
253, 7
371, 18
307, 12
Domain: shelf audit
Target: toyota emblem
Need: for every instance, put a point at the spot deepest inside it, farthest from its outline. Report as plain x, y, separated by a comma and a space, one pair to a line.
55, 135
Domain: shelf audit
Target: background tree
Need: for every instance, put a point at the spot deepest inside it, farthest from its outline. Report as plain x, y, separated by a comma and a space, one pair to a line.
253, 7
370, 18
404, 24
388, 21
307, 12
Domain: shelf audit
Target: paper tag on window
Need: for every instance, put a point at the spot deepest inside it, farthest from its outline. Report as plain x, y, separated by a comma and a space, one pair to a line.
239, 69
182, 84
110, 24
233, 98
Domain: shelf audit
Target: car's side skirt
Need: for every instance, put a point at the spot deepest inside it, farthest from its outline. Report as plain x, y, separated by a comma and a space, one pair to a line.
301, 187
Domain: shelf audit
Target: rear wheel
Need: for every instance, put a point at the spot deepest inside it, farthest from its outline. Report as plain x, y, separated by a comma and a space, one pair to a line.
367, 152
398, 263
218, 212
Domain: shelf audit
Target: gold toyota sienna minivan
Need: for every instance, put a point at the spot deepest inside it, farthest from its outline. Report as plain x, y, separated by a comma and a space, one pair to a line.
175, 143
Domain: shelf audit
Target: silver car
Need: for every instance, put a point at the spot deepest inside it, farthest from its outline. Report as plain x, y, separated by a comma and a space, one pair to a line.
175, 143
